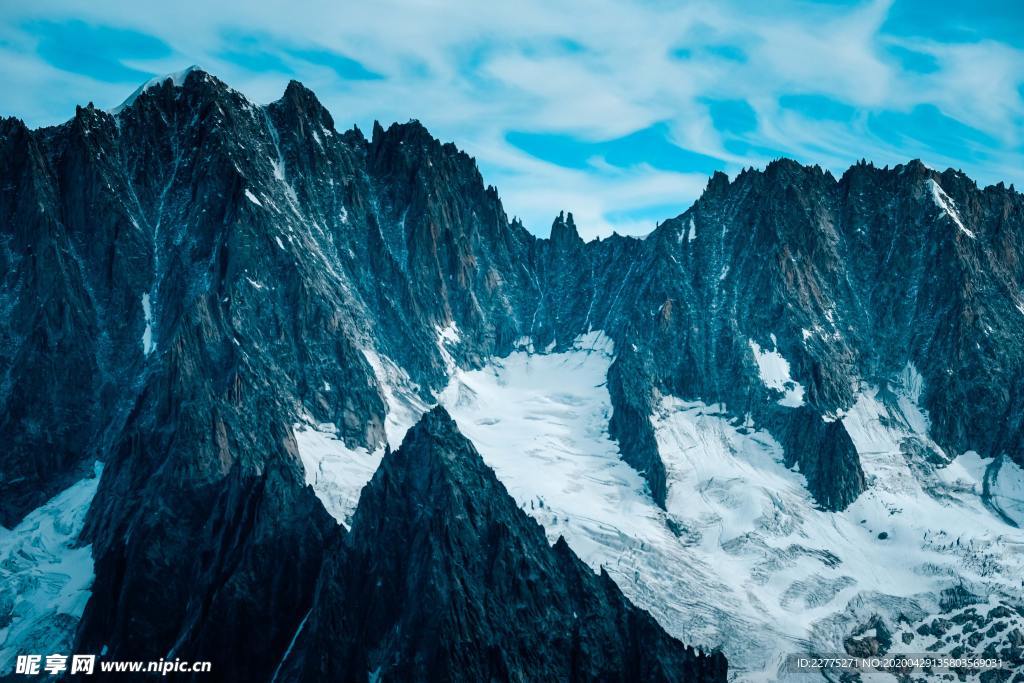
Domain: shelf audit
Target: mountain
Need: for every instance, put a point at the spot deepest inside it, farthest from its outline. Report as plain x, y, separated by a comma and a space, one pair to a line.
238, 309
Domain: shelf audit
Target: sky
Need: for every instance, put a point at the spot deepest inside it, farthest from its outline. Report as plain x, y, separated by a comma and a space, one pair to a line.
615, 110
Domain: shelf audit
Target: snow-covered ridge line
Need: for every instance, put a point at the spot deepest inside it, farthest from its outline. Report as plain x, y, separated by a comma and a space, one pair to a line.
177, 79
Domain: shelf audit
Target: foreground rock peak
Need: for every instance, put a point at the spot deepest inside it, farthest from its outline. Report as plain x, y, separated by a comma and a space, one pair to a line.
443, 577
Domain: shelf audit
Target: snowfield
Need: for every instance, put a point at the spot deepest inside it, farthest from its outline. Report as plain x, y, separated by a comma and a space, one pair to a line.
45, 578
742, 558
338, 473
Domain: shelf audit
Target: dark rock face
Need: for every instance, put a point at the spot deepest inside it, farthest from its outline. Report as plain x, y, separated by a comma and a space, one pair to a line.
443, 577
187, 281
48, 341
825, 455
630, 387
946, 296
300, 246
229, 585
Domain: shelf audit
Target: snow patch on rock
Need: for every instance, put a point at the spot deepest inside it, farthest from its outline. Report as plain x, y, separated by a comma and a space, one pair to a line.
401, 396
447, 337
449, 333
774, 372
948, 206
252, 198
148, 345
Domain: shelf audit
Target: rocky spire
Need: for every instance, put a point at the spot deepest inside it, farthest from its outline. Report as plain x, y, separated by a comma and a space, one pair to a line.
564, 233
444, 577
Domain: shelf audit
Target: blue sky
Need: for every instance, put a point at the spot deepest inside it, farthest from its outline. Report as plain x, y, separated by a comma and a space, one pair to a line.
615, 110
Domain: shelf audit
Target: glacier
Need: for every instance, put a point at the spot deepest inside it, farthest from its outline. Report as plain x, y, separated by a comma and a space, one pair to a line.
741, 558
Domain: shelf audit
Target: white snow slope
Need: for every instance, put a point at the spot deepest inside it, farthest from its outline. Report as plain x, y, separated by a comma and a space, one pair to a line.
44, 580
742, 559
177, 80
